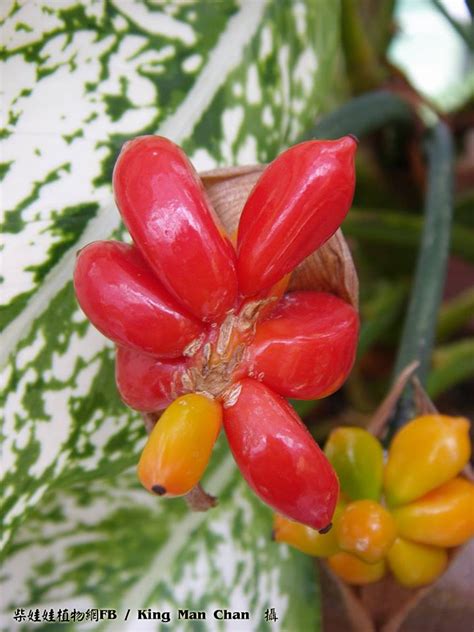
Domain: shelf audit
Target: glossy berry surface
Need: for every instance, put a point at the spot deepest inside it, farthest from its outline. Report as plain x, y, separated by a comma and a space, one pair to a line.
357, 457
367, 530
192, 316
179, 447
442, 517
415, 565
162, 203
411, 538
270, 443
316, 333
298, 203
306, 539
424, 454
127, 302
354, 571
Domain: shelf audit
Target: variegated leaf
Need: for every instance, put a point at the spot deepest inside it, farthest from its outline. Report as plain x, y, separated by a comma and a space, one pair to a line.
108, 545
233, 82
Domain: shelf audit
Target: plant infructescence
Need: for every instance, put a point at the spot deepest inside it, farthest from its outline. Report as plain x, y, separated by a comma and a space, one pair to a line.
399, 516
206, 329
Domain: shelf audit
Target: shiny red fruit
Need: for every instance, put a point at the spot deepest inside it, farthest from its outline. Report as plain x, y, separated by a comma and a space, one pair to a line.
163, 205
126, 302
307, 348
278, 457
297, 204
146, 383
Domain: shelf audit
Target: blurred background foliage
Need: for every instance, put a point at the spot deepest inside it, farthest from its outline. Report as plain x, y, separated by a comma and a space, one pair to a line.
410, 63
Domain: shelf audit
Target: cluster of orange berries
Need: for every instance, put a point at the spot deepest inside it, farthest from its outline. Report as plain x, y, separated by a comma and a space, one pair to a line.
401, 515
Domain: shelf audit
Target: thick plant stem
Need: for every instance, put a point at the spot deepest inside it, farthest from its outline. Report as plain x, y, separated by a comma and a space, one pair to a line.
420, 323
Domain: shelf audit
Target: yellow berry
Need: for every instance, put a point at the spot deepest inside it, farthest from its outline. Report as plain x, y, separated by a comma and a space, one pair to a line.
415, 565
427, 452
180, 445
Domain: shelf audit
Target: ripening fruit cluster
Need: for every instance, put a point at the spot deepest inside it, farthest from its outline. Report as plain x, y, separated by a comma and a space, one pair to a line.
400, 516
206, 330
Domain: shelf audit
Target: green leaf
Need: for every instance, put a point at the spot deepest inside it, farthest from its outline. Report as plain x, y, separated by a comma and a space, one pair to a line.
402, 229
233, 83
110, 545
452, 364
455, 314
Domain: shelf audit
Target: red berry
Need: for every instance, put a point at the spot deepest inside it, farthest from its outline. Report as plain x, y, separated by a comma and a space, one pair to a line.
163, 204
147, 383
307, 348
278, 457
126, 302
297, 204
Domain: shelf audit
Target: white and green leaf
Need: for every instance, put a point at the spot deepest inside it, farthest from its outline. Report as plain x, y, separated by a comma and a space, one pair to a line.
234, 83
108, 545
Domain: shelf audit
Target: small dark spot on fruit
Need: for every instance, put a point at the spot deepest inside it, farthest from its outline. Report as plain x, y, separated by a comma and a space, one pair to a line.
325, 529
159, 489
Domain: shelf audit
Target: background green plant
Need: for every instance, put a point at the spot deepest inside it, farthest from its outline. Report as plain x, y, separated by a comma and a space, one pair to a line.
77, 528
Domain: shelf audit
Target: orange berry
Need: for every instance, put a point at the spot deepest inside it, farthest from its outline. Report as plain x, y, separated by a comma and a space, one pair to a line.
354, 571
443, 517
366, 529
306, 539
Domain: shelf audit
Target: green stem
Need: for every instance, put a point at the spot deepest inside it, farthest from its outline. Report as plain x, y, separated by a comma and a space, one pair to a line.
362, 115
420, 323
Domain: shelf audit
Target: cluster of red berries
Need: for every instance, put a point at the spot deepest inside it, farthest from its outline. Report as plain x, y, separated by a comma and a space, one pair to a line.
205, 328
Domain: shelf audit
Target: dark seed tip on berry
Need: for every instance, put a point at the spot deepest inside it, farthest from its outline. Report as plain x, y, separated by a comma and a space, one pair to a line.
354, 138
325, 529
159, 489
